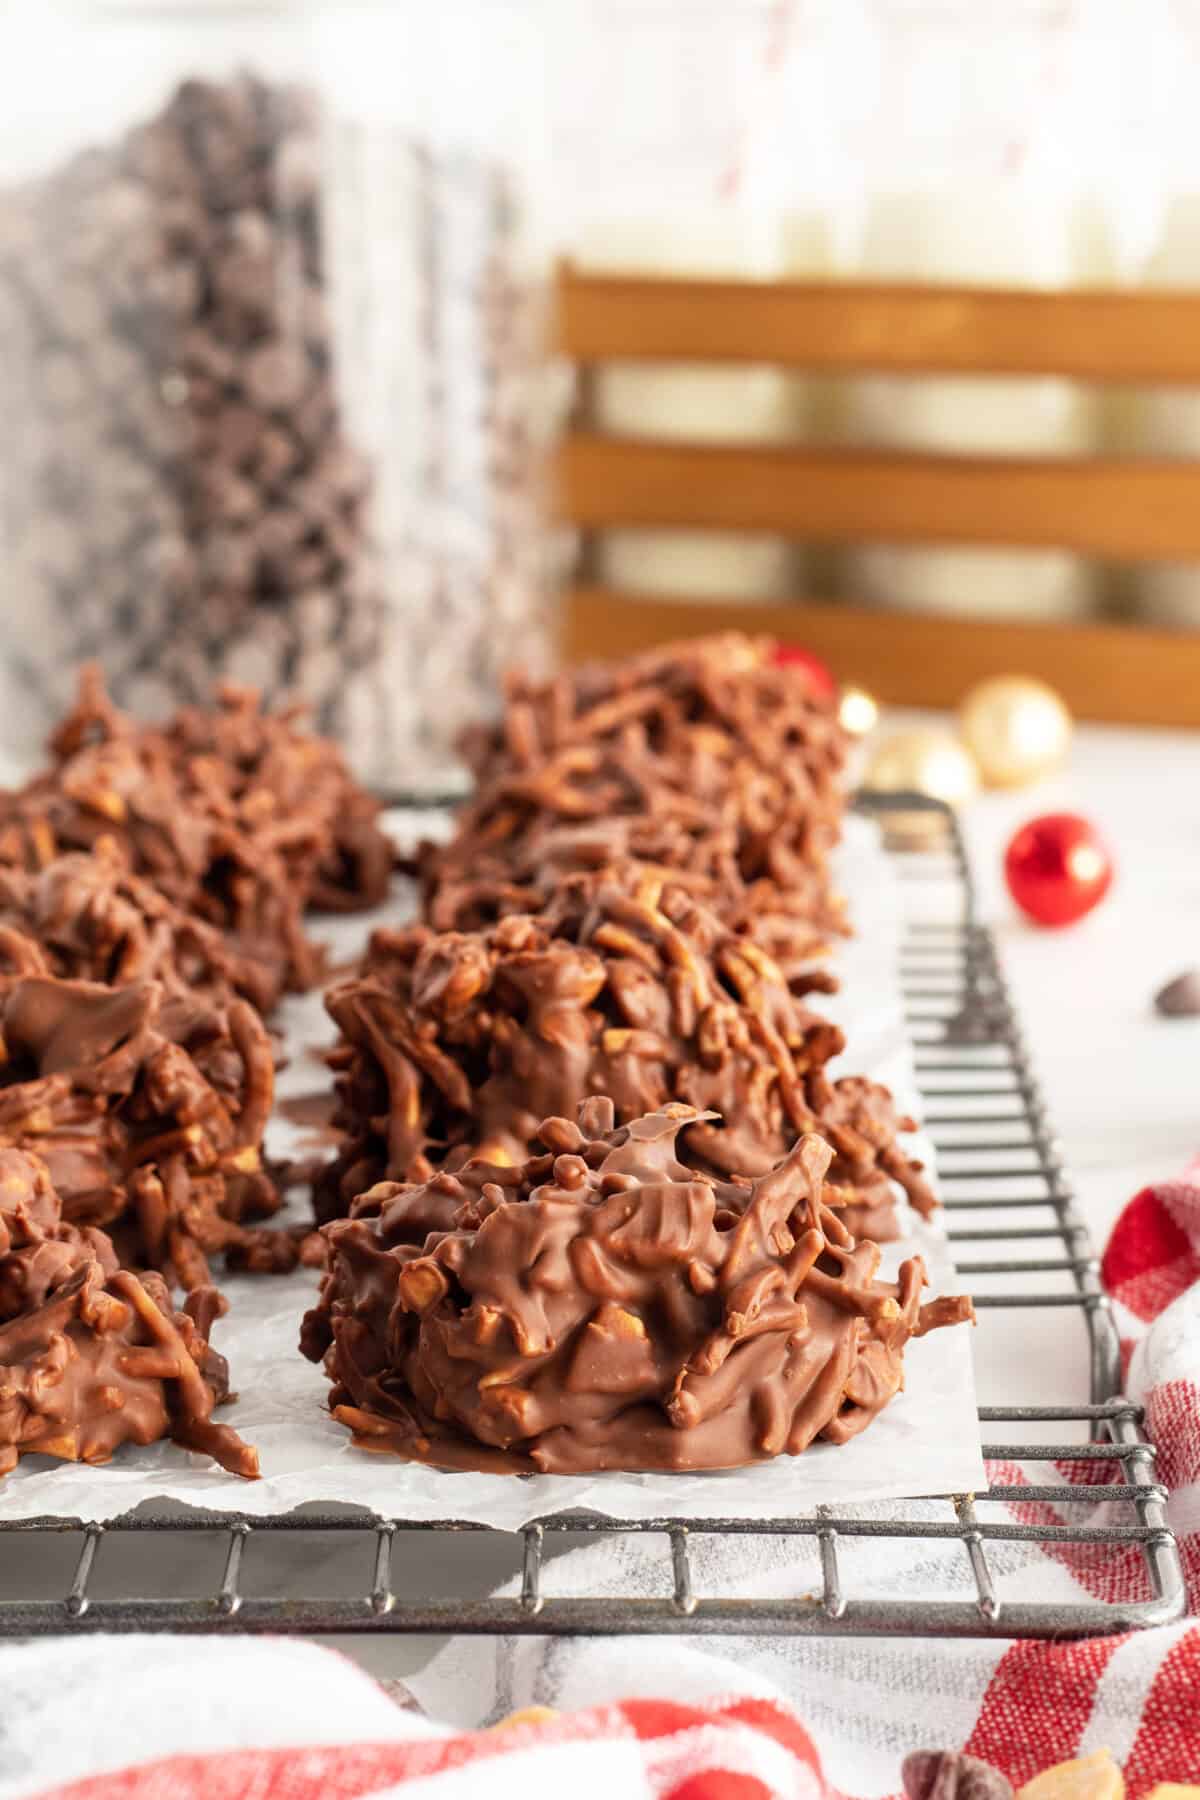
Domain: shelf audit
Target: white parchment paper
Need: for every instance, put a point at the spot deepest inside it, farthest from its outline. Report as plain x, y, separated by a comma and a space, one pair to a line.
926, 1442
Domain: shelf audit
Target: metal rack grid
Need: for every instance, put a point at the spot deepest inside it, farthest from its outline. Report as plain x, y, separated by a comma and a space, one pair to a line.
974, 1073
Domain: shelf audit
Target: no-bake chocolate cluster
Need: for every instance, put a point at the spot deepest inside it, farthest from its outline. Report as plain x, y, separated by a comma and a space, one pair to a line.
622, 928
238, 817
153, 885
86, 916
706, 758
149, 1113
457, 1044
605, 1305
93, 1356
622, 931
153, 882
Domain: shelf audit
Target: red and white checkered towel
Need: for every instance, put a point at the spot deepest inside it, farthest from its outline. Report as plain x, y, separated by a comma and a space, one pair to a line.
179, 1719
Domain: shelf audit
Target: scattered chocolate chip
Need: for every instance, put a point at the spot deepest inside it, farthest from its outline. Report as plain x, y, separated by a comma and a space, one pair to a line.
1180, 998
949, 1775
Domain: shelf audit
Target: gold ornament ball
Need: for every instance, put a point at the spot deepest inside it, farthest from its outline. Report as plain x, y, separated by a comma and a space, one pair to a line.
924, 761
1016, 728
858, 711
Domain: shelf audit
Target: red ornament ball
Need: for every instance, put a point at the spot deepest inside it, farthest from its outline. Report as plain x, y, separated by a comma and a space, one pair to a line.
793, 656
1058, 868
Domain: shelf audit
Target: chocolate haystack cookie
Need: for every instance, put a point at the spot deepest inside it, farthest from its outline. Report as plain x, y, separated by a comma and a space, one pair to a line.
704, 757
86, 916
458, 1044
604, 1306
93, 1356
148, 1109
237, 816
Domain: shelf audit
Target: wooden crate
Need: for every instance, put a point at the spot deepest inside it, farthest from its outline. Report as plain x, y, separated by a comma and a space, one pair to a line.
1124, 509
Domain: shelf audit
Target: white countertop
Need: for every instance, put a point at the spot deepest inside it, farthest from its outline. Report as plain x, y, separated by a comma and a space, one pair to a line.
1122, 1085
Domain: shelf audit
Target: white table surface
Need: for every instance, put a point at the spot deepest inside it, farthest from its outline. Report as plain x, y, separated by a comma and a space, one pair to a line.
1122, 1085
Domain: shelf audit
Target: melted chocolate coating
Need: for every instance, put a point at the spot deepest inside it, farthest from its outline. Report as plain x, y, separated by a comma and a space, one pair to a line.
704, 758
237, 816
607, 1306
457, 1044
92, 1356
148, 1109
86, 916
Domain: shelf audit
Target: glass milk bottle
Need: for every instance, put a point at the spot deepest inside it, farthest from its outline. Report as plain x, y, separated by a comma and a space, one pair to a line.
1169, 423
685, 183
1014, 235
975, 130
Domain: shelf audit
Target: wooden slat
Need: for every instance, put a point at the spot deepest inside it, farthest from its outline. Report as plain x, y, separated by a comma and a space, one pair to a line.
1094, 335
1128, 675
1103, 506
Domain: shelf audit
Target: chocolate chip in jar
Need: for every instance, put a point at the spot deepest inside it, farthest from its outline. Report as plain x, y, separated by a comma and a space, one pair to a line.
163, 297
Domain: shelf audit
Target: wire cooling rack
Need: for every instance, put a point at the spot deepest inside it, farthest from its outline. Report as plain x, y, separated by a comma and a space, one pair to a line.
1019, 1244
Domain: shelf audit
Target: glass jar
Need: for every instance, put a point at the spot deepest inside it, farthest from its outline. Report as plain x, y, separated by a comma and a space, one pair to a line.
269, 350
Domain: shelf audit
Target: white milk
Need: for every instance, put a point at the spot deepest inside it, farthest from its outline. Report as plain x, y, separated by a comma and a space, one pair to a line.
1009, 234
1169, 422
